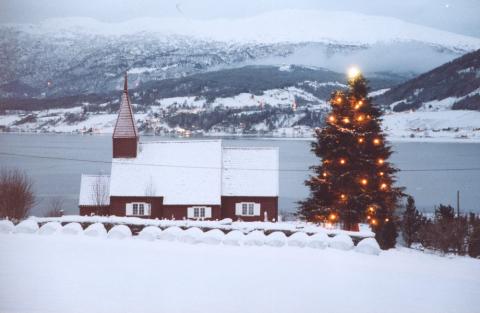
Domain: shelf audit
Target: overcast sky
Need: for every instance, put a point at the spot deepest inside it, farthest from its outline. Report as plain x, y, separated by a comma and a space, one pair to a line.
459, 16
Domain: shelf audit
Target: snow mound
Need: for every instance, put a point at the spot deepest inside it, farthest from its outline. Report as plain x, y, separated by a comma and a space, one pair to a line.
226, 221
96, 230
6, 226
276, 239
26, 227
319, 241
234, 238
72, 229
171, 233
120, 232
150, 233
213, 237
298, 239
368, 246
50, 228
192, 235
341, 242
255, 238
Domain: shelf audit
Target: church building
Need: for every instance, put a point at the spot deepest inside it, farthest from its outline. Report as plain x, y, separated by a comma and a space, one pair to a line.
193, 179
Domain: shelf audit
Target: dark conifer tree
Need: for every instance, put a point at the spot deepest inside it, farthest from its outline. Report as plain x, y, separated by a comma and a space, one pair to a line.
354, 181
412, 222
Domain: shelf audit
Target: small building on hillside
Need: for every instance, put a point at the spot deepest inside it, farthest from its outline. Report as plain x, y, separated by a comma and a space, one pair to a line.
194, 179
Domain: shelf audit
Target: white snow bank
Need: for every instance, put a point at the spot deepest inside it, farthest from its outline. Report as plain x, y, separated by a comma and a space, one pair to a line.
119, 232
96, 230
26, 227
50, 228
341, 242
255, 238
298, 239
368, 246
213, 237
234, 238
72, 229
171, 233
192, 235
319, 241
150, 233
276, 239
6, 226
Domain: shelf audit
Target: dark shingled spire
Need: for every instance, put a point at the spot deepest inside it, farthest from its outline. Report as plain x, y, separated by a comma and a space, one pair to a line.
125, 126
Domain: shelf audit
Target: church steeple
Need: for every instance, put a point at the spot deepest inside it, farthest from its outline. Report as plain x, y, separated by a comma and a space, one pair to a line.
125, 134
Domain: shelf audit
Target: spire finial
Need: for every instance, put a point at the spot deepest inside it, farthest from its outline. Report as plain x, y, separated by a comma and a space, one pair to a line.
125, 86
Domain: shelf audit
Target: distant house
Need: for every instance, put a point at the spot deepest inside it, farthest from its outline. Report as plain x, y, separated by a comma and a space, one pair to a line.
195, 179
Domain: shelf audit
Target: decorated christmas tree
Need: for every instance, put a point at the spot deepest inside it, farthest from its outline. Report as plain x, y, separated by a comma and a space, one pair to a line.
354, 182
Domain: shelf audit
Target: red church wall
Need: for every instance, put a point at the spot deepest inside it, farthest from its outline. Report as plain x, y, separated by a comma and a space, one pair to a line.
118, 205
94, 210
180, 211
267, 204
125, 147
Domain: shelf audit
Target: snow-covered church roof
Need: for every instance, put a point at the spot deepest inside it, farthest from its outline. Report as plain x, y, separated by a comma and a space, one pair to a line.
195, 172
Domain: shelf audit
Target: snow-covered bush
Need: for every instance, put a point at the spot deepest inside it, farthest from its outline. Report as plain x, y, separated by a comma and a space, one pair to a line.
192, 235
96, 230
150, 233
50, 228
226, 221
213, 237
26, 227
368, 246
298, 239
319, 241
341, 242
119, 232
276, 239
171, 233
234, 238
72, 229
6, 227
255, 238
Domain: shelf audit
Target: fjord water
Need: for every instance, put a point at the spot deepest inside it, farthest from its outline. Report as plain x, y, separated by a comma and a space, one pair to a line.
61, 178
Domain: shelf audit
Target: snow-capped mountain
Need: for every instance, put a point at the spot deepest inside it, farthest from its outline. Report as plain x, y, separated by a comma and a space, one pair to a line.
72, 56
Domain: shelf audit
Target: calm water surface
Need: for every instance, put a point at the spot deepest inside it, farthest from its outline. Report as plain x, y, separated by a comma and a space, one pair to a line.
61, 178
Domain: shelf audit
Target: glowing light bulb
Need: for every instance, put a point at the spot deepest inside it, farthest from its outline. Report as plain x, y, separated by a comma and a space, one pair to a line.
381, 161
339, 100
360, 118
361, 140
346, 120
383, 186
343, 197
324, 174
376, 141
364, 181
387, 219
369, 217
343, 161
332, 217
331, 118
353, 72
374, 222
371, 209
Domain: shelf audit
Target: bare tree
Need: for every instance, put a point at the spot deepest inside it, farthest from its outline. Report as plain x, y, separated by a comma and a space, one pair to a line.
100, 193
55, 207
16, 193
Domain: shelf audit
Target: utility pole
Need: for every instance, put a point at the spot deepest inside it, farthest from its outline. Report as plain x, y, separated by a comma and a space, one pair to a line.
458, 203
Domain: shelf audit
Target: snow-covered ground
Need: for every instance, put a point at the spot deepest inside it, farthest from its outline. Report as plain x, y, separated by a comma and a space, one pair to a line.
77, 273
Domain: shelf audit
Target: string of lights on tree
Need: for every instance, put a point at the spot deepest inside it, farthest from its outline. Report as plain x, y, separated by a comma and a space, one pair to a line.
354, 182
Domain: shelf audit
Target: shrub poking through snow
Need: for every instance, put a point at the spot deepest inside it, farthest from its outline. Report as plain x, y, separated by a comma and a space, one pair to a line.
368, 246
276, 239
192, 235
96, 230
72, 229
319, 241
50, 228
234, 238
341, 242
255, 238
171, 233
26, 227
6, 227
150, 233
213, 237
298, 239
120, 232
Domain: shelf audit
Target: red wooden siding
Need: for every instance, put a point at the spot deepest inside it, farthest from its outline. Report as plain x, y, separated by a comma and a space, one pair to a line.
118, 205
125, 147
267, 204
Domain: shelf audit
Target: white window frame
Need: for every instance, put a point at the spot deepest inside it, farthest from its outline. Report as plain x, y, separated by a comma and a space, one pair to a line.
138, 209
247, 209
199, 212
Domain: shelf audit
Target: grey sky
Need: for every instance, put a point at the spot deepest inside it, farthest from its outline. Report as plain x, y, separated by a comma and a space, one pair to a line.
459, 16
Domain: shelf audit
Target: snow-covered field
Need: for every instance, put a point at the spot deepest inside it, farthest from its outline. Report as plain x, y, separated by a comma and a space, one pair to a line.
77, 273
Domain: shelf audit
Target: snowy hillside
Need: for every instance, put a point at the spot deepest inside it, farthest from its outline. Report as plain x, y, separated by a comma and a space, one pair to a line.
72, 272
78, 56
